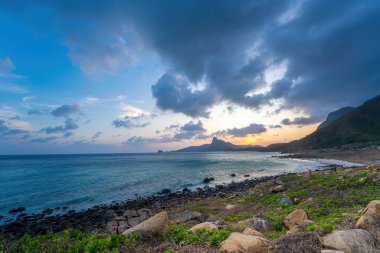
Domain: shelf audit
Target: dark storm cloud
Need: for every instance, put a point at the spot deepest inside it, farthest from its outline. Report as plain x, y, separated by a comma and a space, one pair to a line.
244, 131
69, 125
65, 110
330, 48
172, 92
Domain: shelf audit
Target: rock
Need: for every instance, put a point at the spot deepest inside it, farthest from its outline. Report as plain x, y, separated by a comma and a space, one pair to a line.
250, 231
233, 175
277, 188
279, 182
112, 227
350, 241
144, 213
164, 191
204, 225
246, 175
187, 216
238, 243
259, 223
298, 218
296, 200
221, 195
286, 201
48, 211
156, 223
370, 219
130, 214
110, 215
331, 251
17, 210
230, 207
206, 180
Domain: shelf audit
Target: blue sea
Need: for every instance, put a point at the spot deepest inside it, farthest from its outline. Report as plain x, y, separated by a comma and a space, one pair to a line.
37, 182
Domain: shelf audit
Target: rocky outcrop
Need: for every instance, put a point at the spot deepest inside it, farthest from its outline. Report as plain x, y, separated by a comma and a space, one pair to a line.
350, 241
205, 225
297, 220
238, 243
156, 223
370, 219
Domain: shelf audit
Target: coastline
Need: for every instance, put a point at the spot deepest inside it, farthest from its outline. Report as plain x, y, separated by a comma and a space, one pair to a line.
332, 199
94, 219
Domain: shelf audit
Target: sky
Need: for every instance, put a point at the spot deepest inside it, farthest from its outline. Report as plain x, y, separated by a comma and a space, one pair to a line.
138, 76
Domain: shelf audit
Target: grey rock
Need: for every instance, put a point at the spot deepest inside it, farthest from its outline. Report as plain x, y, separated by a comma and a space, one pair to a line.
350, 241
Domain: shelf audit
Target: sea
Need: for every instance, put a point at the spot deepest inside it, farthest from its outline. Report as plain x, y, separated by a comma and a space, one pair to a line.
37, 182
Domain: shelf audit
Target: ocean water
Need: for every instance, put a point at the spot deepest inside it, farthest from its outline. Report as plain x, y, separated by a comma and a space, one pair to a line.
80, 181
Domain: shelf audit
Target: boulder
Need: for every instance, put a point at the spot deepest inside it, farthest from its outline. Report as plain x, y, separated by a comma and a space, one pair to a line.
350, 241
250, 231
277, 188
229, 207
297, 219
237, 243
331, 251
188, 216
156, 223
370, 219
286, 201
259, 223
204, 225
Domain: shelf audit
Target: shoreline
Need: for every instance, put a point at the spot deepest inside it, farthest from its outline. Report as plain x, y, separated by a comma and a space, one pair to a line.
94, 219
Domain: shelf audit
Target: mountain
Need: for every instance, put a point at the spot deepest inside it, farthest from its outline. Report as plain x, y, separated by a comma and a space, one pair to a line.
215, 145
333, 116
360, 127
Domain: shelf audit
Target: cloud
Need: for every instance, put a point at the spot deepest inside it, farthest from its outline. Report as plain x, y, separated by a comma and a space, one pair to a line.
43, 139
275, 126
65, 110
301, 121
172, 92
68, 134
128, 123
9, 82
7, 131
96, 135
244, 131
69, 125
329, 49
189, 130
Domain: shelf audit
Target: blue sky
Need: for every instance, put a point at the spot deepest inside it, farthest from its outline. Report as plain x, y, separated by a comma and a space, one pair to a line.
137, 76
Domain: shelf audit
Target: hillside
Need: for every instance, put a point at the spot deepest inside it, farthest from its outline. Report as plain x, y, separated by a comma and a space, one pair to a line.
358, 127
333, 116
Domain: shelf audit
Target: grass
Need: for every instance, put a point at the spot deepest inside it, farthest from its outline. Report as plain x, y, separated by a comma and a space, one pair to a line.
181, 234
331, 196
72, 241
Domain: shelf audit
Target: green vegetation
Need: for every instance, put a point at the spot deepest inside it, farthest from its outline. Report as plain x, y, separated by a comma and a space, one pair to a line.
181, 234
72, 241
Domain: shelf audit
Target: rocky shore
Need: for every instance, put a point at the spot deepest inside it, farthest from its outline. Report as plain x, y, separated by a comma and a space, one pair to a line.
331, 210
